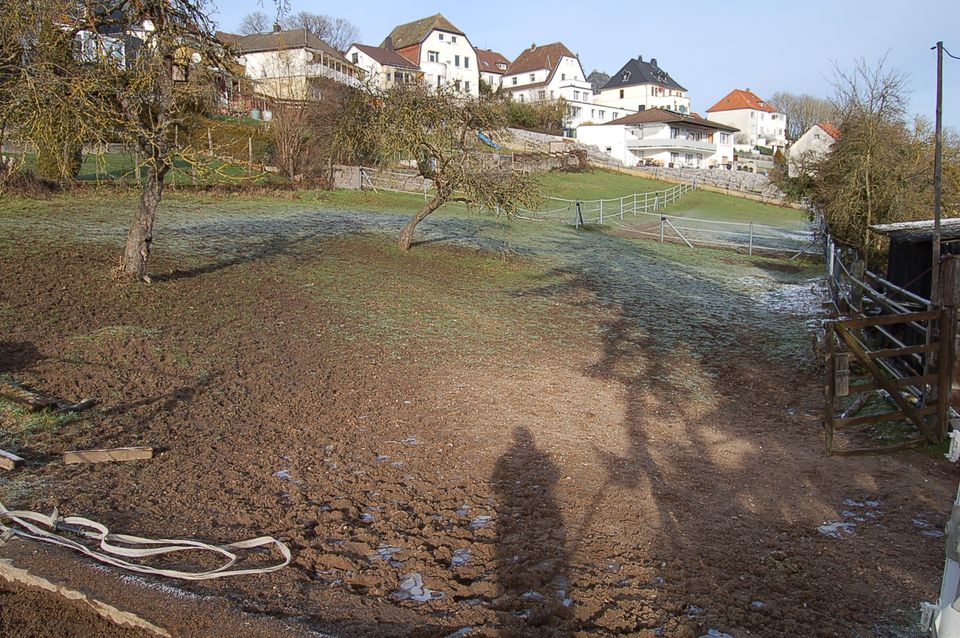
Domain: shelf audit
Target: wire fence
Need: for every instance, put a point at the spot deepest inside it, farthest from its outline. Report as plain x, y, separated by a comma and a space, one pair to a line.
640, 215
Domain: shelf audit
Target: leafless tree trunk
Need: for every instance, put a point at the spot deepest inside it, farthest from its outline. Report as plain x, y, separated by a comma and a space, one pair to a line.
136, 254
406, 235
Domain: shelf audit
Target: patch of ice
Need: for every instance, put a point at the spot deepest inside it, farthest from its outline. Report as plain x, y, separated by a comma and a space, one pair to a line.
412, 588
460, 557
715, 633
480, 521
283, 475
385, 553
833, 530
367, 518
460, 633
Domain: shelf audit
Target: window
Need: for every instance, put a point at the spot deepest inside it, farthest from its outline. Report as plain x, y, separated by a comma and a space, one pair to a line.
674, 133
576, 95
563, 76
521, 97
551, 95
456, 84
433, 56
753, 114
541, 95
514, 80
466, 62
621, 94
466, 86
355, 57
453, 38
456, 60
603, 114
440, 35
593, 113
533, 77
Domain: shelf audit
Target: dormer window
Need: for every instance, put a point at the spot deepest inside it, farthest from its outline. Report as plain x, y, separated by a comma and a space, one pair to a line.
501, 66
626, 76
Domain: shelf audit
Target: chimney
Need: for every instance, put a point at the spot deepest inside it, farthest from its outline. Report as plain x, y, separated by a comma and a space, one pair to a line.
276, 27
639, 58
533, 47
653, 61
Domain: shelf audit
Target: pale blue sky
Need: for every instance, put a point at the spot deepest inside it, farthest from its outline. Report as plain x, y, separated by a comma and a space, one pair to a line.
705, 46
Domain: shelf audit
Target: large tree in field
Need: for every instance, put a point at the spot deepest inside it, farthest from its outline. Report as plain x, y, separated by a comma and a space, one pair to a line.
437, 128
143, 67
880, 169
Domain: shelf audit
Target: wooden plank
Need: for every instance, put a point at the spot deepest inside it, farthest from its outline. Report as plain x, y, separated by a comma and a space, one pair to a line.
881, 418
886, 384
886, 320
902, 352
902, 382
829, 398
103, 456
841, 374
9, 461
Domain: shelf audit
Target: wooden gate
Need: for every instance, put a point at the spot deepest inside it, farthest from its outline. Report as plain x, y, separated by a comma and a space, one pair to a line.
893, 368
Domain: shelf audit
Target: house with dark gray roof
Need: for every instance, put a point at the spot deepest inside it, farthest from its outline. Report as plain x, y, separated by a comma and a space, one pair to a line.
292, 64
642, 85
441, 51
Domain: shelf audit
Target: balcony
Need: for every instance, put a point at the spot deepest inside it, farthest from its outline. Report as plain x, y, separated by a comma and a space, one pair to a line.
670, 144
322, 70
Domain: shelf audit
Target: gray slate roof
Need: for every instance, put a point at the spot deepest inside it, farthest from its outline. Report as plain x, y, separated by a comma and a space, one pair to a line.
636, 71
283, 40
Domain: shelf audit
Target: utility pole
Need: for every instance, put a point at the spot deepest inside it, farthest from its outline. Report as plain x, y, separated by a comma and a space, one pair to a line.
937, 181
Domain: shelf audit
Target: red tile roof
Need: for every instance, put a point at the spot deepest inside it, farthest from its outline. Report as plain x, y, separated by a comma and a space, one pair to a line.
741, 99
489, 60
539, 57
830, 130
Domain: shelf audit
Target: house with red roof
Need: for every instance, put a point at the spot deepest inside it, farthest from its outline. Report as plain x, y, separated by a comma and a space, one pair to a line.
383, 68
544, 73
811, 147
760, 124
493, 65
440, 50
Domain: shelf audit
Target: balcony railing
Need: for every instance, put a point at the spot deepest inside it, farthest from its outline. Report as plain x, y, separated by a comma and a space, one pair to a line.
324, 71
671, 144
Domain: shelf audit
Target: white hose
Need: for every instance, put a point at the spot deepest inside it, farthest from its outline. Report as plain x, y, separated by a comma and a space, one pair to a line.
25, 525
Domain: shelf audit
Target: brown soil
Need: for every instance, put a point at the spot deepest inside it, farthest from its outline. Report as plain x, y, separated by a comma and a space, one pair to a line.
623, 497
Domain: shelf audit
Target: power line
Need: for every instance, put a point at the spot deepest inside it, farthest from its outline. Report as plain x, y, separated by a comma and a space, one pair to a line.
948, 53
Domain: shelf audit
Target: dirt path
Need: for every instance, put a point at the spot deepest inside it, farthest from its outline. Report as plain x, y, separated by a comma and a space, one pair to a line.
597, 437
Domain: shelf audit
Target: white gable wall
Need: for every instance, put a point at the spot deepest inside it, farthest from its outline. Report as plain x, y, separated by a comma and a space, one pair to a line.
449, 59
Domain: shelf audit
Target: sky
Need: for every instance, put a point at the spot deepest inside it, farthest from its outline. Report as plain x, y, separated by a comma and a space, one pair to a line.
709, 47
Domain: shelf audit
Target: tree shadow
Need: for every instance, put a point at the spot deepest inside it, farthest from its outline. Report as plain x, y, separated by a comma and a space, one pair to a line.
18, 355
532, 565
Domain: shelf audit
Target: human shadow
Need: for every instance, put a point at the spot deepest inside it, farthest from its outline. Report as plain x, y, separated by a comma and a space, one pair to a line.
531, 555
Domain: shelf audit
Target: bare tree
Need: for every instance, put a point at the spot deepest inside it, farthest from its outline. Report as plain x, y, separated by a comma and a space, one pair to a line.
437, 129
802, 111
876, 172
256, 22
339, 33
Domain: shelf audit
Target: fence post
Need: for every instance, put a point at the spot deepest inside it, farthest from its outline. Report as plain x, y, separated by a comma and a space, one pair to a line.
634, 204
621, 209
249, 155
209, 142
750, 249
662, 219
601, 211
578, 222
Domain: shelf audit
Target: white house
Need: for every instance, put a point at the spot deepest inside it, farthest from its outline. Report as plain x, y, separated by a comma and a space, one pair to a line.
292, 64
492, 67
811, 147
639, 86
440, 50
550, 72
662, 138
760, 124
382, 68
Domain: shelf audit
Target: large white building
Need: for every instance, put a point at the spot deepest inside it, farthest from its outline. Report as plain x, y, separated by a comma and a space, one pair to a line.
440, 50
382, 68
639, 86
662, 138
550, 72
811, 147
292, 65
760, 124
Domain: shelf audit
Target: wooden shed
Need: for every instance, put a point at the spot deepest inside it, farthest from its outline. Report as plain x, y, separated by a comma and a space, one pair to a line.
910, 257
